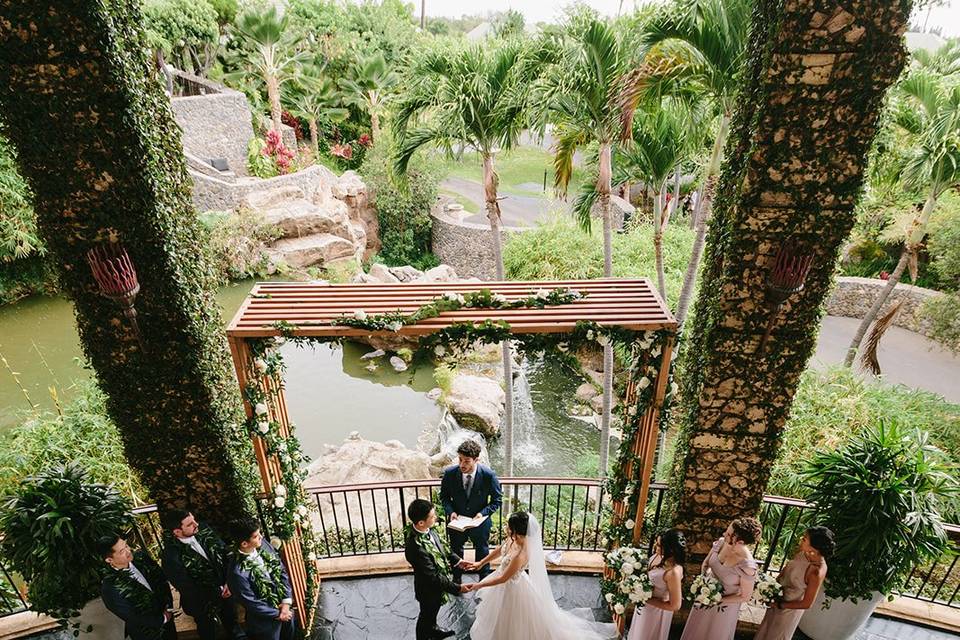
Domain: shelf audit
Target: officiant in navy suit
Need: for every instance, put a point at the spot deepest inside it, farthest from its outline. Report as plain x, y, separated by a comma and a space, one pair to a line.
470, 489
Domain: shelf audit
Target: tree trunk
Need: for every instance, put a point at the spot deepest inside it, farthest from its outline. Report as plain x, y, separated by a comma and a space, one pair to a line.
493, 214
314, 138
273, 95
701, 215
915, 235
603, 189
374, 125
658, 221
783, 179
114, 173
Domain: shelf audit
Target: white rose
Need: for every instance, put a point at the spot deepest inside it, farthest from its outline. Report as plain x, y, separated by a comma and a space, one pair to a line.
439, 350
302, 510
279, 502
644, 382
590, 334
627, 569
632, 411
280, 490
541, 294
624, 588
260, 365
609, 597
634, 597
360, 314
396, 325
260, 409
674, 387
312, 557
276, 542
629, 524
263, 427
637, 566
618, 608
499, 298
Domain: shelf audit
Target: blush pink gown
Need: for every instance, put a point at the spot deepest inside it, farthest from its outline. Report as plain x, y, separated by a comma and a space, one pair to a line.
720, 622
779, 624
650, 623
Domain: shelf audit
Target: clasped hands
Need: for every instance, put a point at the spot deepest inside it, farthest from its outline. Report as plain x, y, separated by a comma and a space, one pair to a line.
286, 613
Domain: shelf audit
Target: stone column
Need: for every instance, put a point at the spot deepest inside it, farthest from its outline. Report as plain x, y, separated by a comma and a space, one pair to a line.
96, 141
812, 92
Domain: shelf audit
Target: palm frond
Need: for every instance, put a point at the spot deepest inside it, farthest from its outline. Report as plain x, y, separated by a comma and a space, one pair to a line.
411, 141
583, 205
868, 358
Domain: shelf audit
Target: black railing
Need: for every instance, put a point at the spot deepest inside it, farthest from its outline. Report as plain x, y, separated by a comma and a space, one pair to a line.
366, 519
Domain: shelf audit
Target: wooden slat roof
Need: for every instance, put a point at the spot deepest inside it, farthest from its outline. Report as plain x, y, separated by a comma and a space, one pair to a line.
311, 306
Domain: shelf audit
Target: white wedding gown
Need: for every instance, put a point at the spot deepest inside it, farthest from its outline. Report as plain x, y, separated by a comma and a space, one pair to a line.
523, 608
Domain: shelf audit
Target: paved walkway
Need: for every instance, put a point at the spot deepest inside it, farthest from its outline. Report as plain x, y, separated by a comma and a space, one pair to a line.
905, 357
515, 210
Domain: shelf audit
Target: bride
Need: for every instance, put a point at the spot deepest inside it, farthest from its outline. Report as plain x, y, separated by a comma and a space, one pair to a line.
520, 605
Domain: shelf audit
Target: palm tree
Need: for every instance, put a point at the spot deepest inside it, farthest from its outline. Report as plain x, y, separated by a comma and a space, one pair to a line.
927, 110
477, 97
268, 53
315, 98
368, 86
705, 41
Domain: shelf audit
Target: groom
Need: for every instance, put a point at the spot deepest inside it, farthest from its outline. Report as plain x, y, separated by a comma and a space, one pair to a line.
470, 489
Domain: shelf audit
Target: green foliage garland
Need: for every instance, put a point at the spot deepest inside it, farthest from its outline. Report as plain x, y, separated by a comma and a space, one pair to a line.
267, 578
143, 599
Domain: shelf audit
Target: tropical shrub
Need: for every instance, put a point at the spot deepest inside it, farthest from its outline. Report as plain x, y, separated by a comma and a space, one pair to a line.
403, 207
881, 493
51, 526
237, 243
185, 33
18, 223
269, 157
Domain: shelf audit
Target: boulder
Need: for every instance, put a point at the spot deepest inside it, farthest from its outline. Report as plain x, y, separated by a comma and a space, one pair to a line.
405, 273
381, 272
379, 353
321, 248
586, 392
477, 403
358, 461
441, 273
398, 364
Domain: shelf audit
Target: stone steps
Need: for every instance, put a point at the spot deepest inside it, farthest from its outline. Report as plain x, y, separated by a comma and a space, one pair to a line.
296, 218
317, 248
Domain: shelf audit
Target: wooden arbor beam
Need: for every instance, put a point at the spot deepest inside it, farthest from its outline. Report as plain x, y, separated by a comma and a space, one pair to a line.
312, 309
808, 112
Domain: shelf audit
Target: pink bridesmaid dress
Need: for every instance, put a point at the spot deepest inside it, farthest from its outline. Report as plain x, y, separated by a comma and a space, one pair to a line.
720, 622
650, 623
779, 624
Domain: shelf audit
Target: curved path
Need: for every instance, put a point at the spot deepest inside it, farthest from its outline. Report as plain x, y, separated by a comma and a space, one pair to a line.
515, 210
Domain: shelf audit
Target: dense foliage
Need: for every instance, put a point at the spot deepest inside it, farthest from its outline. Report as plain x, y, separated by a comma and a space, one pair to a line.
881, 493
18, 224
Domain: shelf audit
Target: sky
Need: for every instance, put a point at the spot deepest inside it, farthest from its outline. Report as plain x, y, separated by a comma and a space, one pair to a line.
947, 17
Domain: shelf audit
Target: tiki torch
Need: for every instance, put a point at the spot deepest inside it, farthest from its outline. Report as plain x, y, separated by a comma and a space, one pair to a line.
785, 279
117, 280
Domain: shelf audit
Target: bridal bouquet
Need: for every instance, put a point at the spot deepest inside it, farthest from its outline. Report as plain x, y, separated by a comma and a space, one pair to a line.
630, 583
706, 591
766, 590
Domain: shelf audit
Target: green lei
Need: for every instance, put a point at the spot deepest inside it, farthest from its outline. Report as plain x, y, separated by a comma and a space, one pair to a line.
267, 579
142, 599
199, 569
439, 554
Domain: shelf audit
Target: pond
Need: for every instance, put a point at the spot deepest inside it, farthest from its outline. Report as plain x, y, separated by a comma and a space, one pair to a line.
330, 392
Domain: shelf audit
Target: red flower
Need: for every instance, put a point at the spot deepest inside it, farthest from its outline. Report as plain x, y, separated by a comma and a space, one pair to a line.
884, 275
344, 151
365, 140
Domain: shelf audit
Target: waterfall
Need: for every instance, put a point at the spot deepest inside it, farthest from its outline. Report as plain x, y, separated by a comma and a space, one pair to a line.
446, 436
527, 445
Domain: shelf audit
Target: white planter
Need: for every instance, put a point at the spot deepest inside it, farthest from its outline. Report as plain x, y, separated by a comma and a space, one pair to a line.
106, 626
841, 621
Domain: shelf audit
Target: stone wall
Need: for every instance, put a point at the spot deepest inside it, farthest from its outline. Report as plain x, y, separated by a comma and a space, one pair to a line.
216, 126
465, 246
211, 193
852, 298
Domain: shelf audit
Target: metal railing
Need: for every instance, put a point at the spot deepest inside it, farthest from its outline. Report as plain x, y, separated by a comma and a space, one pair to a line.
366, 519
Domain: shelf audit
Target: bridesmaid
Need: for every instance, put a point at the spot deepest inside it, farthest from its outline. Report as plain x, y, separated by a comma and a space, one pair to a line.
801, 580
731, 562
652, 621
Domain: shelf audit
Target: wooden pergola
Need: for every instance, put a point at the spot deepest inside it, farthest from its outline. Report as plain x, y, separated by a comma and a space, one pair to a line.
310, 309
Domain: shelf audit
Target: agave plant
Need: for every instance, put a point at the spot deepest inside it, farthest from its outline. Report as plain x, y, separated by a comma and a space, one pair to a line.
51, 526
881, 495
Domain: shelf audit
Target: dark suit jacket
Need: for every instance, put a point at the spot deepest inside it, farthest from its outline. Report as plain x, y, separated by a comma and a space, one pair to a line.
196, 593
485, 495
139, 624
429, 580
261, 617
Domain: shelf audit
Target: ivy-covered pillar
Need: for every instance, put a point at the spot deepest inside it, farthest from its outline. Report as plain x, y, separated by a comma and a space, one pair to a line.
812, 93
96, 140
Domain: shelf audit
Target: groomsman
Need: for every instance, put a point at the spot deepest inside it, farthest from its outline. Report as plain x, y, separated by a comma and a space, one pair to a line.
136, 592
470, 489
259, 582
195, 562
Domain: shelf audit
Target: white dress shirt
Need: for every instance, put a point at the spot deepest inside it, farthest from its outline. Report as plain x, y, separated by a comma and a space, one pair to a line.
195, 545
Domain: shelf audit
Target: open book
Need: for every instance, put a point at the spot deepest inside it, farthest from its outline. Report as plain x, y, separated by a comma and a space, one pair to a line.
462, 523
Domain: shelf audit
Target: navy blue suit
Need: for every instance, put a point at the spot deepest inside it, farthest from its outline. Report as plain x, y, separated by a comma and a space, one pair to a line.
484, 499
261, 622
140, 624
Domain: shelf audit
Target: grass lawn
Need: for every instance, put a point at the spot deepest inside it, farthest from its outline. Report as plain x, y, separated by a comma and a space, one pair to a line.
520, 166
467, 203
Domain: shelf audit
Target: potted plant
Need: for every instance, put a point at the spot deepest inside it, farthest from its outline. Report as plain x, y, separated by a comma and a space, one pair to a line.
50, 528
880, 494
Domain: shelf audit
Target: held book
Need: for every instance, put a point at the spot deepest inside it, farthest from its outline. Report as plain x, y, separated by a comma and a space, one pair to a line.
462, 523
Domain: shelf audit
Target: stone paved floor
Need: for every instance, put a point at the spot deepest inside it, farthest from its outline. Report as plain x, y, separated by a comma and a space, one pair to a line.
384, 608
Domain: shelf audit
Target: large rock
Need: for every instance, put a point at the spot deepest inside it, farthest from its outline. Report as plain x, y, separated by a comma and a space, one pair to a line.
405, 273
382, 273
477, 403
441, 273
322, 248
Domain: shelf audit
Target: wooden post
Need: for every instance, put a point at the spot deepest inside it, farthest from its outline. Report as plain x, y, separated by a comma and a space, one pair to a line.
270, 473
